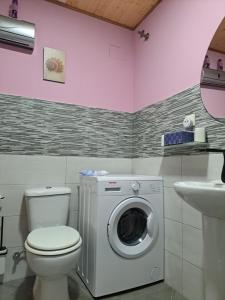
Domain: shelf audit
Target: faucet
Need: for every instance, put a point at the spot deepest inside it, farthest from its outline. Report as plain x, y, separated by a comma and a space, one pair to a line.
223, 169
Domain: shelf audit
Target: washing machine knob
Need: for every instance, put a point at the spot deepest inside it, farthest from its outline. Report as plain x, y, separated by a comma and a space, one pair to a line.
135, 186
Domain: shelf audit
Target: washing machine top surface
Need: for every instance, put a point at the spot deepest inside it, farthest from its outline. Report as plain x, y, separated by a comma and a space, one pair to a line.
126, 177
53, 238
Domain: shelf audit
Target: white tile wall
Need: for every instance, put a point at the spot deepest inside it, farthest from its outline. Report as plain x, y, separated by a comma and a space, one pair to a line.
113, 165
14, 199
173, 271
193, 245
183, 224
24, 169
16, 268
168, 167
15, 230
202, 167
173, 237
191, 216
172, 205
192, 282
19, 172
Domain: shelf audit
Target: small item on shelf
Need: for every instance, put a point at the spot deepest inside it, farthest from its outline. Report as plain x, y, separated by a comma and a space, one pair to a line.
188, 123
178, 137
200, 135
13, 9
219, 64
206, 63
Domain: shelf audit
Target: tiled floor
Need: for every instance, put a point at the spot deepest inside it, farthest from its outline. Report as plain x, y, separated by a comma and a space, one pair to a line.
22, 290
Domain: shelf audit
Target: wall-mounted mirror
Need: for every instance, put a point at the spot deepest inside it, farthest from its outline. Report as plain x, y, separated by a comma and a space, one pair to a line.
213, 75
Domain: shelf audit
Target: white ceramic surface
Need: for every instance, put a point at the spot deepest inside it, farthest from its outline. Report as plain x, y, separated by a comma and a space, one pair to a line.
21, 172
202, 167
208, 198
214, 255
173, 237
193, 236
51, 269
172, 205
191, 216
192, 282
39, 208
51, 274
173, 271
168, 167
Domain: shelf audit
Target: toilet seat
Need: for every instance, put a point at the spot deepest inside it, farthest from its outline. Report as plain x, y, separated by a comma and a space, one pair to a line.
53, 253
55, 240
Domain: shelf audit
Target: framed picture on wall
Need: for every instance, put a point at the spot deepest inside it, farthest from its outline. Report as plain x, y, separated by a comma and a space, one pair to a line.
54, 65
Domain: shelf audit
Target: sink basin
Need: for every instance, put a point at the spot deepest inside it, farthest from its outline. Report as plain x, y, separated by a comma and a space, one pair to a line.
207, 197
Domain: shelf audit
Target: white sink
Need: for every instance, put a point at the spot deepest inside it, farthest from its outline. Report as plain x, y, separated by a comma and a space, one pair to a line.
207, 197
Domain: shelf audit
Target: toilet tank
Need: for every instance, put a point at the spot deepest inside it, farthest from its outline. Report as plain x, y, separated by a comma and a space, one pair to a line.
47, 206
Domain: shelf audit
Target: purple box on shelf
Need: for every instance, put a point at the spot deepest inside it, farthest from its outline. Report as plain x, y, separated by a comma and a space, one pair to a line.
178, 137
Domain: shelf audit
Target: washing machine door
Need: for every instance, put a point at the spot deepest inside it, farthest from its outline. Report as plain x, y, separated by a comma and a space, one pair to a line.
133, 227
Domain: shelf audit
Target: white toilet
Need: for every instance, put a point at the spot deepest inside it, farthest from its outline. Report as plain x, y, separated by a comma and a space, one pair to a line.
52, 248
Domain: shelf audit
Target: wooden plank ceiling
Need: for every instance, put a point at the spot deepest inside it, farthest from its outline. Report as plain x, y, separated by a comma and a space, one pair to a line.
126, 13
218, 41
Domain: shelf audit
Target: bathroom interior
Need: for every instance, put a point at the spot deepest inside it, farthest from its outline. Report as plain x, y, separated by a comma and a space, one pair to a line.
132, 73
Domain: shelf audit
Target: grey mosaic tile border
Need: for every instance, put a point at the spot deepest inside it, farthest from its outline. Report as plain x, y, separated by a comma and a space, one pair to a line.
39, 127
31, 126
153, 121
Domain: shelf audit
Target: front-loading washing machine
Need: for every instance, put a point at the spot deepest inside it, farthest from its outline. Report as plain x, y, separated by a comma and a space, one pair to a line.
122, 226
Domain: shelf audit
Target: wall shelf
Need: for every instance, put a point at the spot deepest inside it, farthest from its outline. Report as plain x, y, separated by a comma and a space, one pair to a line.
185, 149
214, 79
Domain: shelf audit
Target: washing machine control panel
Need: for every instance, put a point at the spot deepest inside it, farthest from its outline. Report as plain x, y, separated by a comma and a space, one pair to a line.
129, 187
145, 187
135, 186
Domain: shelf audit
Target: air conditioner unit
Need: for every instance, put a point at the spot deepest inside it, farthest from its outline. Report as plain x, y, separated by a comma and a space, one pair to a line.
16, 32
211, 77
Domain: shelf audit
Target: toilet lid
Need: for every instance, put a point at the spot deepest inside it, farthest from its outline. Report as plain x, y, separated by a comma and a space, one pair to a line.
53, 238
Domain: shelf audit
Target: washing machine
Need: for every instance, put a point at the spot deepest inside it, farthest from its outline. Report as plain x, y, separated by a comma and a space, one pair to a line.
122, 226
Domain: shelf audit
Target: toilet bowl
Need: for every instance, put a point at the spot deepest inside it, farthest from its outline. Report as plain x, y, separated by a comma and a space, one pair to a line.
52, 252
52, 248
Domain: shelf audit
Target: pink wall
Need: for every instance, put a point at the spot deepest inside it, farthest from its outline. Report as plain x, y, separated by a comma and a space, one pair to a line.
99, 66
103, 67
171, 60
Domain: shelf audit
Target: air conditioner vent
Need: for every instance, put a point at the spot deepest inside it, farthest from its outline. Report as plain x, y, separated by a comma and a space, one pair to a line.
16, 32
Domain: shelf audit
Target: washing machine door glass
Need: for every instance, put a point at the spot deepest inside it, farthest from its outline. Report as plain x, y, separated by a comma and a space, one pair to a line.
133, 227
